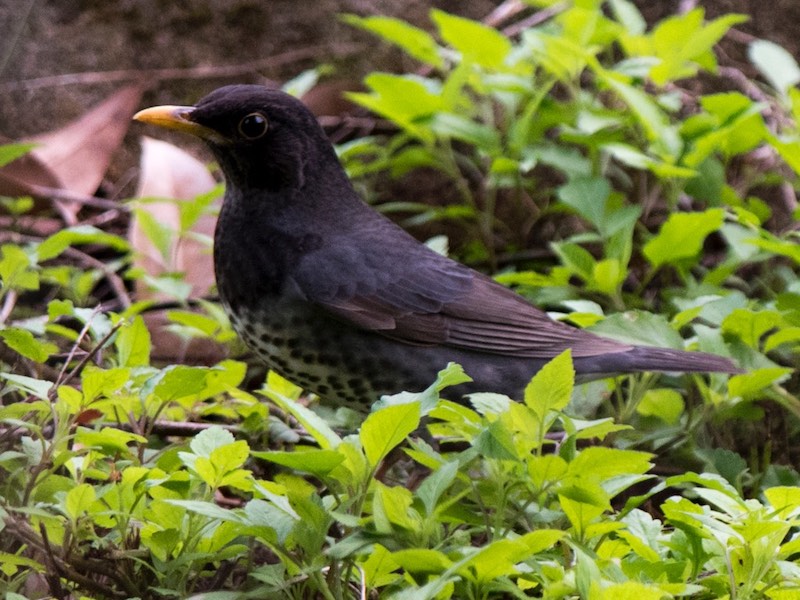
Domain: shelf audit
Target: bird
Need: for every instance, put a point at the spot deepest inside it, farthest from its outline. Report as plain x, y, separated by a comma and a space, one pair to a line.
342, 301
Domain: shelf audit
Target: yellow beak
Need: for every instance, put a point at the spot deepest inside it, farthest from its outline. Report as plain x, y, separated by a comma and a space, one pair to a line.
177, 118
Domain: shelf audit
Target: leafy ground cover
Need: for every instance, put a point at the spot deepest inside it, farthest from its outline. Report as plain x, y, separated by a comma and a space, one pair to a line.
622, 176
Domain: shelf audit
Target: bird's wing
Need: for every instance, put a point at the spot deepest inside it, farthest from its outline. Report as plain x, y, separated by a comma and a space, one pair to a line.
410, 293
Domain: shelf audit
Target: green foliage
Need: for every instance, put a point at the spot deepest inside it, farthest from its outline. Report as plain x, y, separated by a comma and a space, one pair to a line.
576, 134
524, 506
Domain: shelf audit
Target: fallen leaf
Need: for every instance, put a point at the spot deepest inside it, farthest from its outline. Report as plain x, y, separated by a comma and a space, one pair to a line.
76, 156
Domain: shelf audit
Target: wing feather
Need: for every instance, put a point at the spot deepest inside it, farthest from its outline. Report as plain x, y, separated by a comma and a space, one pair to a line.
410, 293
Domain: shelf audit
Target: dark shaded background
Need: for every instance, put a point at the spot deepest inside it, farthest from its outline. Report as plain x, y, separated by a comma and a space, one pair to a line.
57, 57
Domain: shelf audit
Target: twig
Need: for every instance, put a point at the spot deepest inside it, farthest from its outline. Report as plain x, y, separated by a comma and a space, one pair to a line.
202, 72
9, 302
42, 191
504, 12
72, 351
113, 279
179, 429
91, 354
535, 19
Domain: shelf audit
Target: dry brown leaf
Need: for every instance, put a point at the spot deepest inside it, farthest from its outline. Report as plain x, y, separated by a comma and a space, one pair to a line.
76, 156
80, 152
169, 172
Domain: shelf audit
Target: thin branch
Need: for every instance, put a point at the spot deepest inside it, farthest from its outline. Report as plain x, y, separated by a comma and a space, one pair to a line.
113, 279
91, 354
202, 72
42, 191
9, 302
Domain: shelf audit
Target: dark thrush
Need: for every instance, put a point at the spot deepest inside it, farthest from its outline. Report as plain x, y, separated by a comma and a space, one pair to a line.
339, 299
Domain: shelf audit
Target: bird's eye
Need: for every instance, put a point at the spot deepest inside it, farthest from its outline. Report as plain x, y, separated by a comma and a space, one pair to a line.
253, 126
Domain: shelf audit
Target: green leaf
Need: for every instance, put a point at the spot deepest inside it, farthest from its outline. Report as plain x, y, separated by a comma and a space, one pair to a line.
588, 197
112, 441
775, 63
640, 328
315, 425
133, 344
80, 234
22, 341
626, 13
386, 428
450, 125
750, 385
477, 42
496, 441
178, 382
11, 152
576, 258
751, 325
29, 385
551, 388
649, 115
682, 236
208, 509
436, 484
607, 276
79, 500
10, 562
417, 42
97, 382
404, 100
422, 561
630, 156
666, 404
391, 507
16, 269
601, 464
308, 460
230, 457
205, 442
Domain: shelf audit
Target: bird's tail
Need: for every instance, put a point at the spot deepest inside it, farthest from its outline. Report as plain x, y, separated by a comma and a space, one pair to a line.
645, 358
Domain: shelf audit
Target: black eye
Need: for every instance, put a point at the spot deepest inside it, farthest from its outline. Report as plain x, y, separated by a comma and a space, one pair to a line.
253, 126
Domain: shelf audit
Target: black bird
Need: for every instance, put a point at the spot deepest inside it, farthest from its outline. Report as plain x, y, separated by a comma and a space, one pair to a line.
342, 301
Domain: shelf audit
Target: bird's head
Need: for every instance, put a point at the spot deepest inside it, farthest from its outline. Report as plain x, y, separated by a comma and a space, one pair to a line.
262, 138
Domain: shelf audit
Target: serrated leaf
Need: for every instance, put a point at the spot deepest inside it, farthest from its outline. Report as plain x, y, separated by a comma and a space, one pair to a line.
639, 327
79, 500
496, 441
750, 385
476, 42
307, 460
205, 442
80, 234
386, 428
29, 385
230, 456
551, 388
133, 344
682, 236
208, 509
436, 484
417, 42
23, 342
313, 423
666, 404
